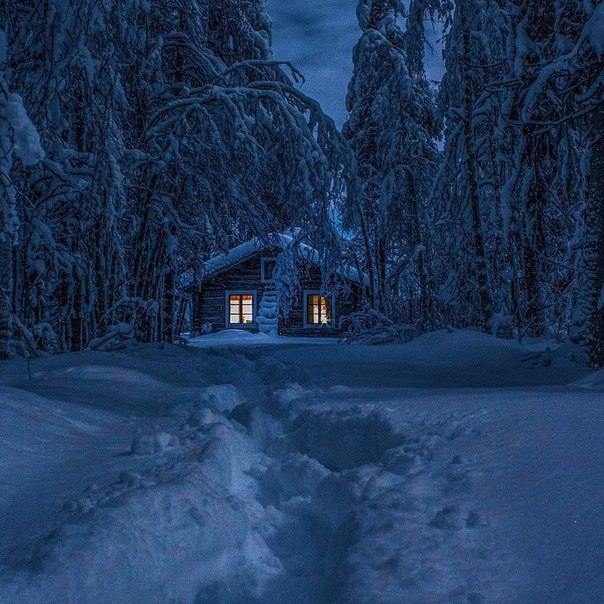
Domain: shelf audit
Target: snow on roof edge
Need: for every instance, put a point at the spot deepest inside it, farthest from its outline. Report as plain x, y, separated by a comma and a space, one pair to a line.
241, 252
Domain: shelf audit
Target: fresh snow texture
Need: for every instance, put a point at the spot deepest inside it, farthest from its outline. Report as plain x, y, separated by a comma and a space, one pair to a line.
457, 468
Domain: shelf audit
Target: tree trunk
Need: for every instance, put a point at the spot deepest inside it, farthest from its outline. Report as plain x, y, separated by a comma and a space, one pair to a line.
480, 262
417, 238
381, 301
5, 282
533, 240
596, 220
7, 209
368, 252
169, 297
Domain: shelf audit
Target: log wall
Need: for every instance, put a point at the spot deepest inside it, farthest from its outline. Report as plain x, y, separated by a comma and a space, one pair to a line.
209, 304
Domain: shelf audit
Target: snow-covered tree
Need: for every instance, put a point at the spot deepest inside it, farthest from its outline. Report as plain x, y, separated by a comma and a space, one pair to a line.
65, 59
18, 137
519, 113
170, 131
472, 50
231, 147
392, 126
553, 87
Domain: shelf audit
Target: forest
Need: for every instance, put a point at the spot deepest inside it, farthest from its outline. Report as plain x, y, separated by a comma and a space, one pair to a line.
140, 137
158, 155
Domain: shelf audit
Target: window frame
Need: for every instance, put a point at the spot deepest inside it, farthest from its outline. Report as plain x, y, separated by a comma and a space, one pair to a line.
227, 308
316, 292
263, 261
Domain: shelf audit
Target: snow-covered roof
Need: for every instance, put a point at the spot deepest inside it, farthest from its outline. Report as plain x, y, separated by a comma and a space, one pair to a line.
238, 254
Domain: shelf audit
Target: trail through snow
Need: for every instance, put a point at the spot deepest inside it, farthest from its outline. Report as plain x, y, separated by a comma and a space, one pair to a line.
454, 469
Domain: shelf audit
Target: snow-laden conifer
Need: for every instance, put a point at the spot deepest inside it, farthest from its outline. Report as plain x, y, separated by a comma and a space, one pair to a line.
392, 127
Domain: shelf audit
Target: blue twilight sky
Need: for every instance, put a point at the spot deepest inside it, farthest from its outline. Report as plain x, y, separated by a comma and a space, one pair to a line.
317, 36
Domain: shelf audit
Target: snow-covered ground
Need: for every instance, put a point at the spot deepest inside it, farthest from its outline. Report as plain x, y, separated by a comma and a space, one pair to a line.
457, 468
240, 338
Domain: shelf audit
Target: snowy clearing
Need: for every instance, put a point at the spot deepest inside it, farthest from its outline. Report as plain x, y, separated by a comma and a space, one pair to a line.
457, 468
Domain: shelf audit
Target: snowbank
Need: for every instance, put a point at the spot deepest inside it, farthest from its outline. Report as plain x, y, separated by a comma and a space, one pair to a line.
242, 338
450, 469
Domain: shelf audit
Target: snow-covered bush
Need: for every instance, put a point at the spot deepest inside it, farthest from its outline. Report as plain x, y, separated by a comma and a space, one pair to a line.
372, 327
117, 337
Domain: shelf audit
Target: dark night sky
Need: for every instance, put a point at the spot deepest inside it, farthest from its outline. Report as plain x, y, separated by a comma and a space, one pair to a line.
318, 36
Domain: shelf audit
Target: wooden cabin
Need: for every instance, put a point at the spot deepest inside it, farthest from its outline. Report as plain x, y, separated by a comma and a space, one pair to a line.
238, 291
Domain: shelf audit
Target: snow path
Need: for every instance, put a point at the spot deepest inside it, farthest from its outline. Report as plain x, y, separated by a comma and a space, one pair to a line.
453, 469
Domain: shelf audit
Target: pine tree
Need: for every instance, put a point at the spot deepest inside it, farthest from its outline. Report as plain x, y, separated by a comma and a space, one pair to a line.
465, 177
588, 320
533, 78
392, 128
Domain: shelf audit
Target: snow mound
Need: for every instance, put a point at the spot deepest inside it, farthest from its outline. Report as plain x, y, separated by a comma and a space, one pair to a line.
148, 444
593, 381
125, 376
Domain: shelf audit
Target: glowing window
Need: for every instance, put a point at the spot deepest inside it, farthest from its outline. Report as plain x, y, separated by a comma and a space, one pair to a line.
319, 309
241, 309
